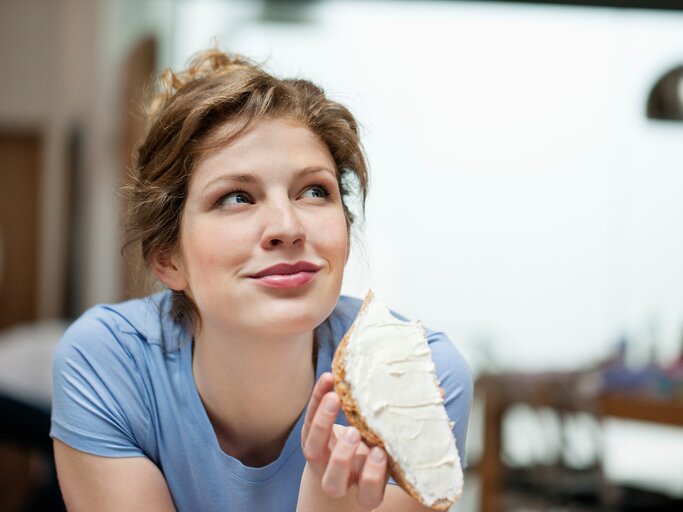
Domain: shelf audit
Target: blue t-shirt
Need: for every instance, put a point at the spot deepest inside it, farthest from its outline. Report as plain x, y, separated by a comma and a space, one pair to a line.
123, 387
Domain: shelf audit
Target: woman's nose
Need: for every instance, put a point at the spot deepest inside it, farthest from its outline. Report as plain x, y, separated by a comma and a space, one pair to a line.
283, 227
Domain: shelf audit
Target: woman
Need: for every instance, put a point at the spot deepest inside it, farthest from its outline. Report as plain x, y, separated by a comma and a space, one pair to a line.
216, 393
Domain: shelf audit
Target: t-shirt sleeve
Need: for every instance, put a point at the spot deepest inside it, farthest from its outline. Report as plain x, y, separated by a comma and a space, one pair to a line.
455, 377
97, 403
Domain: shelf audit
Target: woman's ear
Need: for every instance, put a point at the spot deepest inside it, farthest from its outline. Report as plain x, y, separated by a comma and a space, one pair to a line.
169, 270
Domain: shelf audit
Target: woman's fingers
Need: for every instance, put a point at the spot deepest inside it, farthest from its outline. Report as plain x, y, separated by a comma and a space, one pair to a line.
373, 479
336, 479
316, 441
359, 457
337, 453
337, 431
359, 460
324, 385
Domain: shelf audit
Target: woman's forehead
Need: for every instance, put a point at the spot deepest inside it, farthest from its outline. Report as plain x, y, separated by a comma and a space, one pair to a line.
269, 145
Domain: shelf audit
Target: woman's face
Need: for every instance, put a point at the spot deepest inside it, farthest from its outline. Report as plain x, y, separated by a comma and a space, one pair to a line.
263, 237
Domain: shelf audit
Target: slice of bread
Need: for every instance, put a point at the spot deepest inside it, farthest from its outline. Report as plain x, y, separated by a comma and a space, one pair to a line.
388, 389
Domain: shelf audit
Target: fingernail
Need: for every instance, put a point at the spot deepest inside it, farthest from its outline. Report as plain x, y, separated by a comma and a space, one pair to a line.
329, 404
377, 455
351, 435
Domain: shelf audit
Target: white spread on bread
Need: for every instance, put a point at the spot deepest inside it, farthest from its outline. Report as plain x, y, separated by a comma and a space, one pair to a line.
393, 382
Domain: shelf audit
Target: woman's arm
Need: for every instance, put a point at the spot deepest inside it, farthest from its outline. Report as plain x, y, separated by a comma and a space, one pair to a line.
341, 473
89, 482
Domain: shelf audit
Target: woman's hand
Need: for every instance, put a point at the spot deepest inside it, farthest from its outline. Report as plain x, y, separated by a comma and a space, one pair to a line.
343, 467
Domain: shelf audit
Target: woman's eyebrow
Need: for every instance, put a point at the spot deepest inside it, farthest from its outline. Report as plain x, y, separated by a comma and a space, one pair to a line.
312, 170
233, 178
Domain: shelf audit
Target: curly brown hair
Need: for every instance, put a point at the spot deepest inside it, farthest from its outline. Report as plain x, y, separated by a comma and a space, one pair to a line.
210, 103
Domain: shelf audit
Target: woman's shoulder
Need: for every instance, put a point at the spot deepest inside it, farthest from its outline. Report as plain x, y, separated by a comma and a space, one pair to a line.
103, 370
129, 327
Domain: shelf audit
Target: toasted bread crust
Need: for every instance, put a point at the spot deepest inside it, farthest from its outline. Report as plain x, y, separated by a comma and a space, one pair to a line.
355, 418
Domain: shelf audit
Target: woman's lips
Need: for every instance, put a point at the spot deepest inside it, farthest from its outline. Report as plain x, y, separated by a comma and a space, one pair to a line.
287, 275
286, 280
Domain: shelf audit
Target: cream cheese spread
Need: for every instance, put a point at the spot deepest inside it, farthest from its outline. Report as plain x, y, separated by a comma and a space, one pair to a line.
392, 380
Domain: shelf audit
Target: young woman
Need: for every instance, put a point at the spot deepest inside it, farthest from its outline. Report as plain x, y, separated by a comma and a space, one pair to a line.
215, 394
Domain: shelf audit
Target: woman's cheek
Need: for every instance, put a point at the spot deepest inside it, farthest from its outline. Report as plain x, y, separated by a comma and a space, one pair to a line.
332, 228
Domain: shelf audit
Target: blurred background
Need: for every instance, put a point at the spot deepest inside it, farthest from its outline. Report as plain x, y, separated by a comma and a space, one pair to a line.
526, 198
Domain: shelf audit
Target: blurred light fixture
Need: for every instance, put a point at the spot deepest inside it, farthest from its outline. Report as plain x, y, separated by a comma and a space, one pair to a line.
665, 100
287, 11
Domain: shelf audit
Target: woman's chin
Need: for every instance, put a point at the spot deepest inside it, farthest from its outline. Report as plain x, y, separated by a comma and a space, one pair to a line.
290, 324
293, 318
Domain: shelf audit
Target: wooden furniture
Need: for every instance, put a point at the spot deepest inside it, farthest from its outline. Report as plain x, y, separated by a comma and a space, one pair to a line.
560, 392
20, 154
668, 412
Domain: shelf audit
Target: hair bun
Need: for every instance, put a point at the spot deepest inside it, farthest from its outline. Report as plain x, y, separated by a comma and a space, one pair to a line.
207, 63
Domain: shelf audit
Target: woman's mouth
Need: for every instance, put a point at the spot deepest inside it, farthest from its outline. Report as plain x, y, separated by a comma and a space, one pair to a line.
287, 275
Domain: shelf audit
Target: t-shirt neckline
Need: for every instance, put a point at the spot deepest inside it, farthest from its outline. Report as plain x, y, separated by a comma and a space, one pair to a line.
202, 421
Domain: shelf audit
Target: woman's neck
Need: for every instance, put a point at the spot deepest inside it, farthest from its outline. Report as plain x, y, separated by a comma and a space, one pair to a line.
253, 389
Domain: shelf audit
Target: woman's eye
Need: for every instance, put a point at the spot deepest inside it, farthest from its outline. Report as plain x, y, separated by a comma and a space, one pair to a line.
316, 191
235, 198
